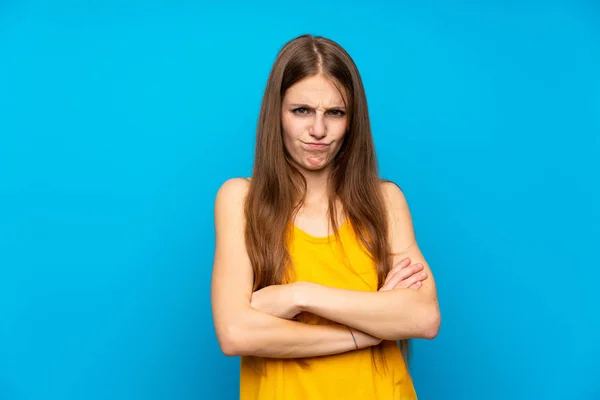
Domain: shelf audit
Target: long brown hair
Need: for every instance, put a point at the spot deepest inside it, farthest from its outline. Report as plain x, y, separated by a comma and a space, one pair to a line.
277, 188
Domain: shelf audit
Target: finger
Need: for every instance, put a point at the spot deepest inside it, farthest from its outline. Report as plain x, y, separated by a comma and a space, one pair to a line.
404, 273
406, 283
400, 278
402, 263
416, 285
399, 275
396, 276
386, 286
391, 281
397, 267
411, 280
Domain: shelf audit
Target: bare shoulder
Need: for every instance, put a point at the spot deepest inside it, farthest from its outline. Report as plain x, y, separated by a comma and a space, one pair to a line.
229, 223
233, 188
229, 207
399, 216
396, 203
394, 197
231, 194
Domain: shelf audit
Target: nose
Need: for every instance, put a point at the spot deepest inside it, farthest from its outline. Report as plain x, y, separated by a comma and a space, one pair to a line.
318, 130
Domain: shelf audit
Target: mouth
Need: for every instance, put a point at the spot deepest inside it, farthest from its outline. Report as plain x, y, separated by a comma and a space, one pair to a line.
316, 146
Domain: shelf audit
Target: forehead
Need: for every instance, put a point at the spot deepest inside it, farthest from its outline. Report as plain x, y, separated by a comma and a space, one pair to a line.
315, 89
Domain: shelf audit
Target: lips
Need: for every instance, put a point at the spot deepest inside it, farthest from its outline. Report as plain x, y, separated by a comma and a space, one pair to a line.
316, 146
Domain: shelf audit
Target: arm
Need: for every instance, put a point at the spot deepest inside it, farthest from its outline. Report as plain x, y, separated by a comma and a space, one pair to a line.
389, 314
242, 330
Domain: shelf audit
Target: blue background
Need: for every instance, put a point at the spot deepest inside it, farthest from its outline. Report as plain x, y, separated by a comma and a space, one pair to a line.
120, 120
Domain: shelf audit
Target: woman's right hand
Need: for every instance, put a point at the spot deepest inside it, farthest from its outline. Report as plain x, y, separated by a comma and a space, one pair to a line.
404, 276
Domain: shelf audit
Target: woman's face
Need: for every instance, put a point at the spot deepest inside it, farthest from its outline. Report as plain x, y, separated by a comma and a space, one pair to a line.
314, 122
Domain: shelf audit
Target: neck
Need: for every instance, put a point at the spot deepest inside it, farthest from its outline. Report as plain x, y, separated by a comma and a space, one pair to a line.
316, 201
317, 187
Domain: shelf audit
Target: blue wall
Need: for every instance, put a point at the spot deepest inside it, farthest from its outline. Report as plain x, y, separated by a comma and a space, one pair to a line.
118, 122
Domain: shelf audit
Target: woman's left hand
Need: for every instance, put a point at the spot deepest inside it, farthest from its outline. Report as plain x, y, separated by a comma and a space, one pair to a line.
277, 300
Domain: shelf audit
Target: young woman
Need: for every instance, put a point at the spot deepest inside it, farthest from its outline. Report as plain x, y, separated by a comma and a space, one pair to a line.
317, 272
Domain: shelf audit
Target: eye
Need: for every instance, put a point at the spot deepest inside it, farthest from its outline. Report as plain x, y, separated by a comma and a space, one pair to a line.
300, 110
337, 113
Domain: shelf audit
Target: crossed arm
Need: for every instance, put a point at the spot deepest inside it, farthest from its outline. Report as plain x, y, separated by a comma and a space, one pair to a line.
259, 323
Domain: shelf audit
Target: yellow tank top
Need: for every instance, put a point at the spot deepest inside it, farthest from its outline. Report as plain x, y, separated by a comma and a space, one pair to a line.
346, 376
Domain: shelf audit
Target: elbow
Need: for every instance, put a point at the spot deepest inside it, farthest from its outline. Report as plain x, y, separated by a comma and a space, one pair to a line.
432, 322
237, 335
231, 342
229, 347
426, 325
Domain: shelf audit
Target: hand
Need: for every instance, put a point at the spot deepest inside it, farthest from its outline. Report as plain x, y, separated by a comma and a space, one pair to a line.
364, 340
277, 300
404, 276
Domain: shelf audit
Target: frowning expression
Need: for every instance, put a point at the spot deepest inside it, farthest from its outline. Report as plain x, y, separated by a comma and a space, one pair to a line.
314, 122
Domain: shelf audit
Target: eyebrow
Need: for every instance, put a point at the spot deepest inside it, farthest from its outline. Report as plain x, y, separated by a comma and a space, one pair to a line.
307, 106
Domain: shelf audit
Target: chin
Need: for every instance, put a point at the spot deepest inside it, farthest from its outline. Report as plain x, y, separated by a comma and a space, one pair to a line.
315, 167
308, 166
